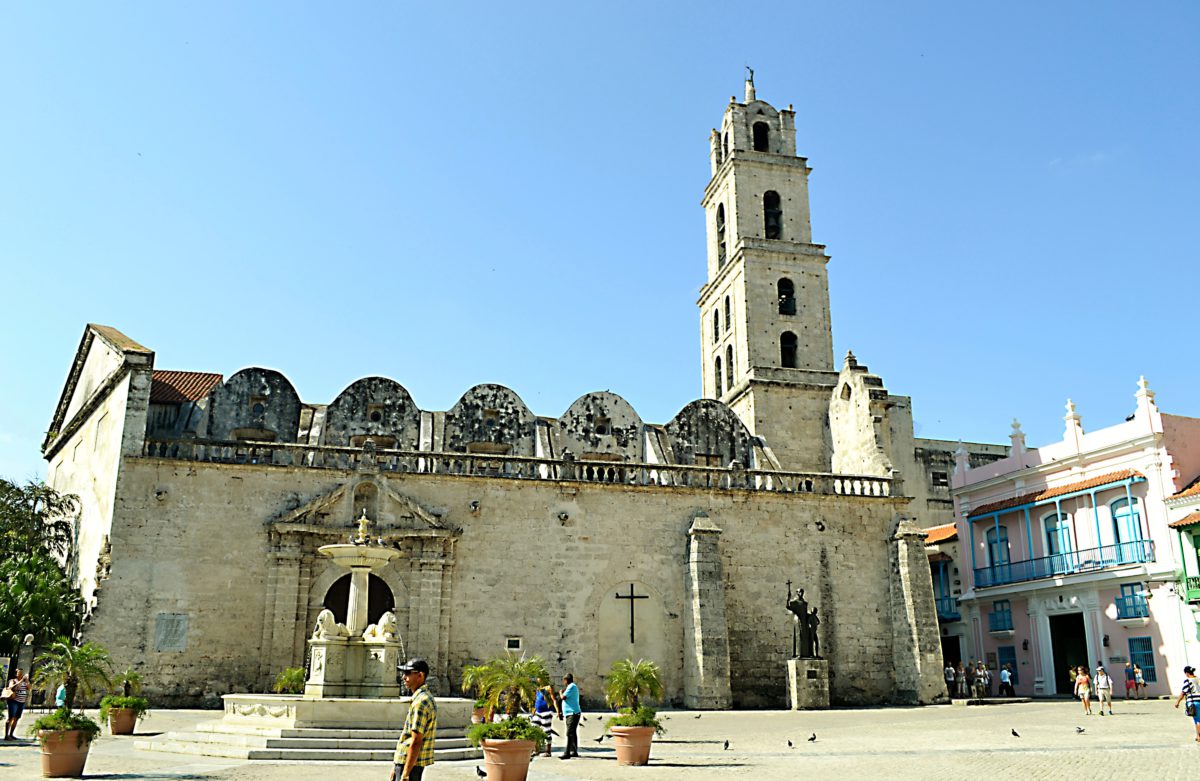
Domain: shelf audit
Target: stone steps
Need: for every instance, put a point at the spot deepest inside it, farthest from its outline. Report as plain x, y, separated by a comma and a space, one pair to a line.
308, 745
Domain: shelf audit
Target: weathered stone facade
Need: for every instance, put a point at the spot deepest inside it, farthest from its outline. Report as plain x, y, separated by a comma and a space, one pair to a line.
583, 538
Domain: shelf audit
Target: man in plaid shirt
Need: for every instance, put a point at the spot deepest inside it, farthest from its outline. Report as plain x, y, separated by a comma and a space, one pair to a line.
414, 750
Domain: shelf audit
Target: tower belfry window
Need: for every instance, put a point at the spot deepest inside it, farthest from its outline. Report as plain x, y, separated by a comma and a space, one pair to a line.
728, 317
720, 235
729, 366
787, 297
762, 137
772, 215
787, 350
717, 376
716, 325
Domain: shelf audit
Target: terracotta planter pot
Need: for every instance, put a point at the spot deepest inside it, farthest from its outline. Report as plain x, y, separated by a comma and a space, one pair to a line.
632, 744
121, 721
507, 760
63, 753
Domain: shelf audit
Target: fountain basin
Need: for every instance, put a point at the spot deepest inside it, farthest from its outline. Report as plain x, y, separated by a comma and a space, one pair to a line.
369, 557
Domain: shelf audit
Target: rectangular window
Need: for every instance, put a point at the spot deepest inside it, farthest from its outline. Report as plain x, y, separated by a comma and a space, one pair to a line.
1000, 619
1008, 656
1132, 602
1141, 653
940, 480
512, 644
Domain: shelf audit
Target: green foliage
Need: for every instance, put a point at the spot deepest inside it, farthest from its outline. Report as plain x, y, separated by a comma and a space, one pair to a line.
81, 668
290, 681
63, 720
472, 679
35, 518
139, 704
510, 683
644, 716
129, 682
516, 728
628, 681
37, 598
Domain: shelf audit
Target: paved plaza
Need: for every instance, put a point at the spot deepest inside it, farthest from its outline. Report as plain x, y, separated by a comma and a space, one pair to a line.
1147, 739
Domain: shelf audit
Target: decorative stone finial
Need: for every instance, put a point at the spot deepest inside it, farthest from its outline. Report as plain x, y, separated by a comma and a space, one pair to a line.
1143, 391
962, 459
1016, 428
363, 523
851, 362
749, 84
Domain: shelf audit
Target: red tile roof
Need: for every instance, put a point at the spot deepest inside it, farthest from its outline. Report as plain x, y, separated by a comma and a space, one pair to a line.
1050, 493
1191, 489
1191, 519
168, 387
944, 533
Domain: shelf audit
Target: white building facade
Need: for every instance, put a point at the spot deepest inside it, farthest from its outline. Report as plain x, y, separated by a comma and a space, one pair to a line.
1069, 556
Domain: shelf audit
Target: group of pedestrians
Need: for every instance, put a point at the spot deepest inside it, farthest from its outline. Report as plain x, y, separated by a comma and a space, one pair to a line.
974, 679
549, 704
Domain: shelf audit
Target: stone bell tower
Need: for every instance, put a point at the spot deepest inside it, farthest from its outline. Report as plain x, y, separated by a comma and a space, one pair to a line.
766, 344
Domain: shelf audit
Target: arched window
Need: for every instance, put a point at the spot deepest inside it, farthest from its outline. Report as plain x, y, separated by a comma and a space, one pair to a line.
762, 137
728, 319
1059, 547
1127, 530
787, 350
787, 297
772, 215
729, 366
725, 144
717, 376
716, 325
720, 234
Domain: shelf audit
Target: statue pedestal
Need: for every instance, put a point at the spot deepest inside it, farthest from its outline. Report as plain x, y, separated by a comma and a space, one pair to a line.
353, 667
808, 684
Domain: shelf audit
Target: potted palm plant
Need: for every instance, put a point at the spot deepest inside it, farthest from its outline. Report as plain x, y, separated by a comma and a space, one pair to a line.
472, 678
123, 711
509, 684
290, 681
635, 725
65, 736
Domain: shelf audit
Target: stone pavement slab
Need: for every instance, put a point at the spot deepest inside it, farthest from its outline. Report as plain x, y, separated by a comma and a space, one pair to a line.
1147, 739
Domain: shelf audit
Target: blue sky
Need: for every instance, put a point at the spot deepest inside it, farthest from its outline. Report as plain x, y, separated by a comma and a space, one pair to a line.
450, 194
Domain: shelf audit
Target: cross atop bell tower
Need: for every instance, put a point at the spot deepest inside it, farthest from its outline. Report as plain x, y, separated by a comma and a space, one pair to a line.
766, 341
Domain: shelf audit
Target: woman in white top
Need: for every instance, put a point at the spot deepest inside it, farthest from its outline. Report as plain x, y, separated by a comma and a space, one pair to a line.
1103, 690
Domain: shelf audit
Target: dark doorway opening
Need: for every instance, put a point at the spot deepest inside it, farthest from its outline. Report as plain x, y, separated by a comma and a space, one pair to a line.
1069, 643
951, 650
379, 598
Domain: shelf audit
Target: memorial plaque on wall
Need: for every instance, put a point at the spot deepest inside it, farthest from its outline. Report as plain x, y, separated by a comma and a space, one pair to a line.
170, 632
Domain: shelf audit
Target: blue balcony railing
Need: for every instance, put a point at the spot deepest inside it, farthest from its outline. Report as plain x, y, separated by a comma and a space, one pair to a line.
1000, 621
1089, 560
947, 609
1132, 606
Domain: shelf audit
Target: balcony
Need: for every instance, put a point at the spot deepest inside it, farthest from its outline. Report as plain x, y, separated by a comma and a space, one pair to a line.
1070, 563
1131, 607
947, 609
1190, 588
1000, 622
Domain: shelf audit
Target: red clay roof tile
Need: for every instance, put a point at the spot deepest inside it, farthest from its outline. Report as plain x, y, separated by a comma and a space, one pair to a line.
1050, 493
1191, 519
171, 387
944, 533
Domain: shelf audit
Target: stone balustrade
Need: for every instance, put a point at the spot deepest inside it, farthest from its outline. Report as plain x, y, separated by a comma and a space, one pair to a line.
516, 467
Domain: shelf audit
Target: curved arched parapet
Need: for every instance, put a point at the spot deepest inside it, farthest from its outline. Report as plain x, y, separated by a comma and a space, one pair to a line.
603, 426
490, 419
374, 408
707, 433
255, 404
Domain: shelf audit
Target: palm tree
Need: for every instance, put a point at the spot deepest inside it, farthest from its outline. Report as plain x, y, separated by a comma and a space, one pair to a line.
130, 682
81, 668
509, 683
628, 681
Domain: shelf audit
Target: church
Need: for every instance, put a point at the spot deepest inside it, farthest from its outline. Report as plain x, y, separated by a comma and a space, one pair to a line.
205, 497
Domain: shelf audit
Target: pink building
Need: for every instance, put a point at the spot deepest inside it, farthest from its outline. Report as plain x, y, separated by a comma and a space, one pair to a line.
1080, 552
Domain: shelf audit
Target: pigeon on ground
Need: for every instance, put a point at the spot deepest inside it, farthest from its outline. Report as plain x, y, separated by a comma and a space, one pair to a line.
813, 739
1079, 730
1015, 733
790, 744
479, 772
600, 739
698, 715
727, 745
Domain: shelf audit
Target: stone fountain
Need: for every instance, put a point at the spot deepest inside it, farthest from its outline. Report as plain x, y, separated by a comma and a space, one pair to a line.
351, 708
354, 659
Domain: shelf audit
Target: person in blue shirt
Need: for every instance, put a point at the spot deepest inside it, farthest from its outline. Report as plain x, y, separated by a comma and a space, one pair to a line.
571, 712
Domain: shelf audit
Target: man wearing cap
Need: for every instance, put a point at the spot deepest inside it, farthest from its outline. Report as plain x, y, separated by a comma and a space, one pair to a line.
414, 750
